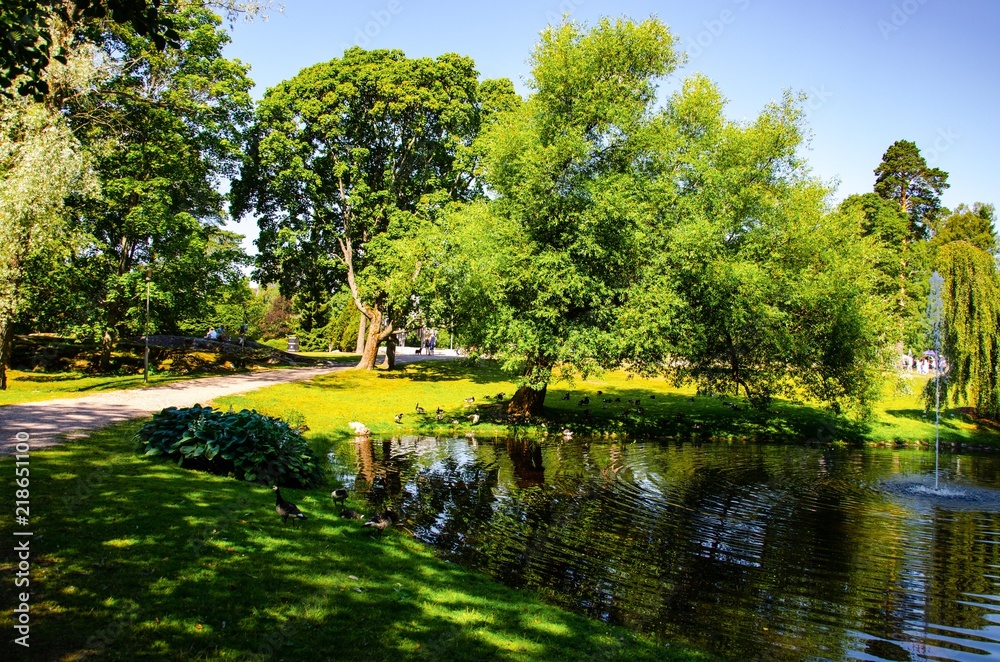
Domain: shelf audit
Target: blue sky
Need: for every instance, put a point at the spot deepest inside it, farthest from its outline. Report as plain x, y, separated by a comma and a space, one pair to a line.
876, 71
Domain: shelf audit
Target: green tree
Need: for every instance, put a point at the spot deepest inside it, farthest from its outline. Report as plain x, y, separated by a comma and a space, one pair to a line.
163, 129
901, 267
41, 163
665, 242
904, 176
971, 301
974, 225
554, 252
753, 284
352, 161
28, 42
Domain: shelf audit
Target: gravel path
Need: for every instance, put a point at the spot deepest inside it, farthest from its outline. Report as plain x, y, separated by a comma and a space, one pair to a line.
50, 422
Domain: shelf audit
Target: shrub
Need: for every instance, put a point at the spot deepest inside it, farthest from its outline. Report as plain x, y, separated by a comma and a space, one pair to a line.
249, 445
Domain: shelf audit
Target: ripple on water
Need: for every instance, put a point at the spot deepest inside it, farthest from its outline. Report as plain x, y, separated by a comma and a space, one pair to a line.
755, 552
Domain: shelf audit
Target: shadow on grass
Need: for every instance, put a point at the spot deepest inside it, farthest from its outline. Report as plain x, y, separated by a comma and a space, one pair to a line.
483, 372
139, 558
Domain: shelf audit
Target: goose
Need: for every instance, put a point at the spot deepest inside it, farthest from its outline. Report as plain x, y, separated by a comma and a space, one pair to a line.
398, 418
567, 433
439, 411
474, 418
347, 513
600, 393
381, 521
286, 509
419, 409
470, 400
339, 495
566, 395
440, 416
500, 396
584, 402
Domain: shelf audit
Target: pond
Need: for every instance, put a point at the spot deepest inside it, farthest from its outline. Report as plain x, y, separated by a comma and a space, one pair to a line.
750, 551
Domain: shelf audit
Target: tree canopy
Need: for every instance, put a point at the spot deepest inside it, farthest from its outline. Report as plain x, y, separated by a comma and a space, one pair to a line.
351, 161
971, 319
904, 176
668, 241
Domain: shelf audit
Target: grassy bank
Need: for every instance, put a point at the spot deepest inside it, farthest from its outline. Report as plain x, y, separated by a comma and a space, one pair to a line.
374, 398
138, 558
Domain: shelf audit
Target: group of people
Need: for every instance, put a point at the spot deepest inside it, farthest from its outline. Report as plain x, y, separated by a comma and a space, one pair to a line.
429, 343
221, 335
923, 365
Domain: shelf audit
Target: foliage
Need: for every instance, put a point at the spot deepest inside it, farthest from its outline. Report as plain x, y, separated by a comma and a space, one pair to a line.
277, 322
27, 45
971, 326
351, 160
673, 241
252, 446
901, 267
40, 165
163, 129
904, 176
974, 225
555, 250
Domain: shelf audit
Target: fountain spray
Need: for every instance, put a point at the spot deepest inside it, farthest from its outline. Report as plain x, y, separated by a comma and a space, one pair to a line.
935, 315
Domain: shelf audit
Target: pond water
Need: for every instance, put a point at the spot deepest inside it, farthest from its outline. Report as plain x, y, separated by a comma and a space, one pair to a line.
751, 551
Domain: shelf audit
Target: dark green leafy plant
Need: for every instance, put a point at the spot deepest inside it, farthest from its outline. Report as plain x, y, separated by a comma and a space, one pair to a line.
246, 444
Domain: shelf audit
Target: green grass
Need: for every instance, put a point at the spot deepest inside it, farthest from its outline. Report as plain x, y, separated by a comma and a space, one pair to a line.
331, 402
133, 557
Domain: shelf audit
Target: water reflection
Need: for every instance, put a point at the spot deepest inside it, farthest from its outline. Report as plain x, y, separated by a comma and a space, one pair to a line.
755, 552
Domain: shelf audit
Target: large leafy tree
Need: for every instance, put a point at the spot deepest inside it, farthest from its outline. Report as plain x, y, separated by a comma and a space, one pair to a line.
971, 325
666, 242
352, 161
904, 177
754, 286
555, 250
163, 129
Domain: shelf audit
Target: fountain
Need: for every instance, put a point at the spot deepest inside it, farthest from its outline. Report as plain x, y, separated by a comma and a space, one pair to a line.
935, 315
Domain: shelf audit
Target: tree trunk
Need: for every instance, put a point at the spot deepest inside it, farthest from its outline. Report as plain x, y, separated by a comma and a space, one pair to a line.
390, 352
376, 334
6, 336
359, 348
107, 344
527, 402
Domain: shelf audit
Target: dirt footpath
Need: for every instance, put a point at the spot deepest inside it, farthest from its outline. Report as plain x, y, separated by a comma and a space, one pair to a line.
45, 422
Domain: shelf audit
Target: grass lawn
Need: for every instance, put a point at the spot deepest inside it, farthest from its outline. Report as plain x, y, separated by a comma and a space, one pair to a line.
134, 558
330, 402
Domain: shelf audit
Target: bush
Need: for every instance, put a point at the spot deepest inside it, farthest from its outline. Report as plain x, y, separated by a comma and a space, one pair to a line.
249, 445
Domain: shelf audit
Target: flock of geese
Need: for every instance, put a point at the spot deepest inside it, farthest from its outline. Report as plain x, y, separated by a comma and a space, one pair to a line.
439, 413
289, 511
